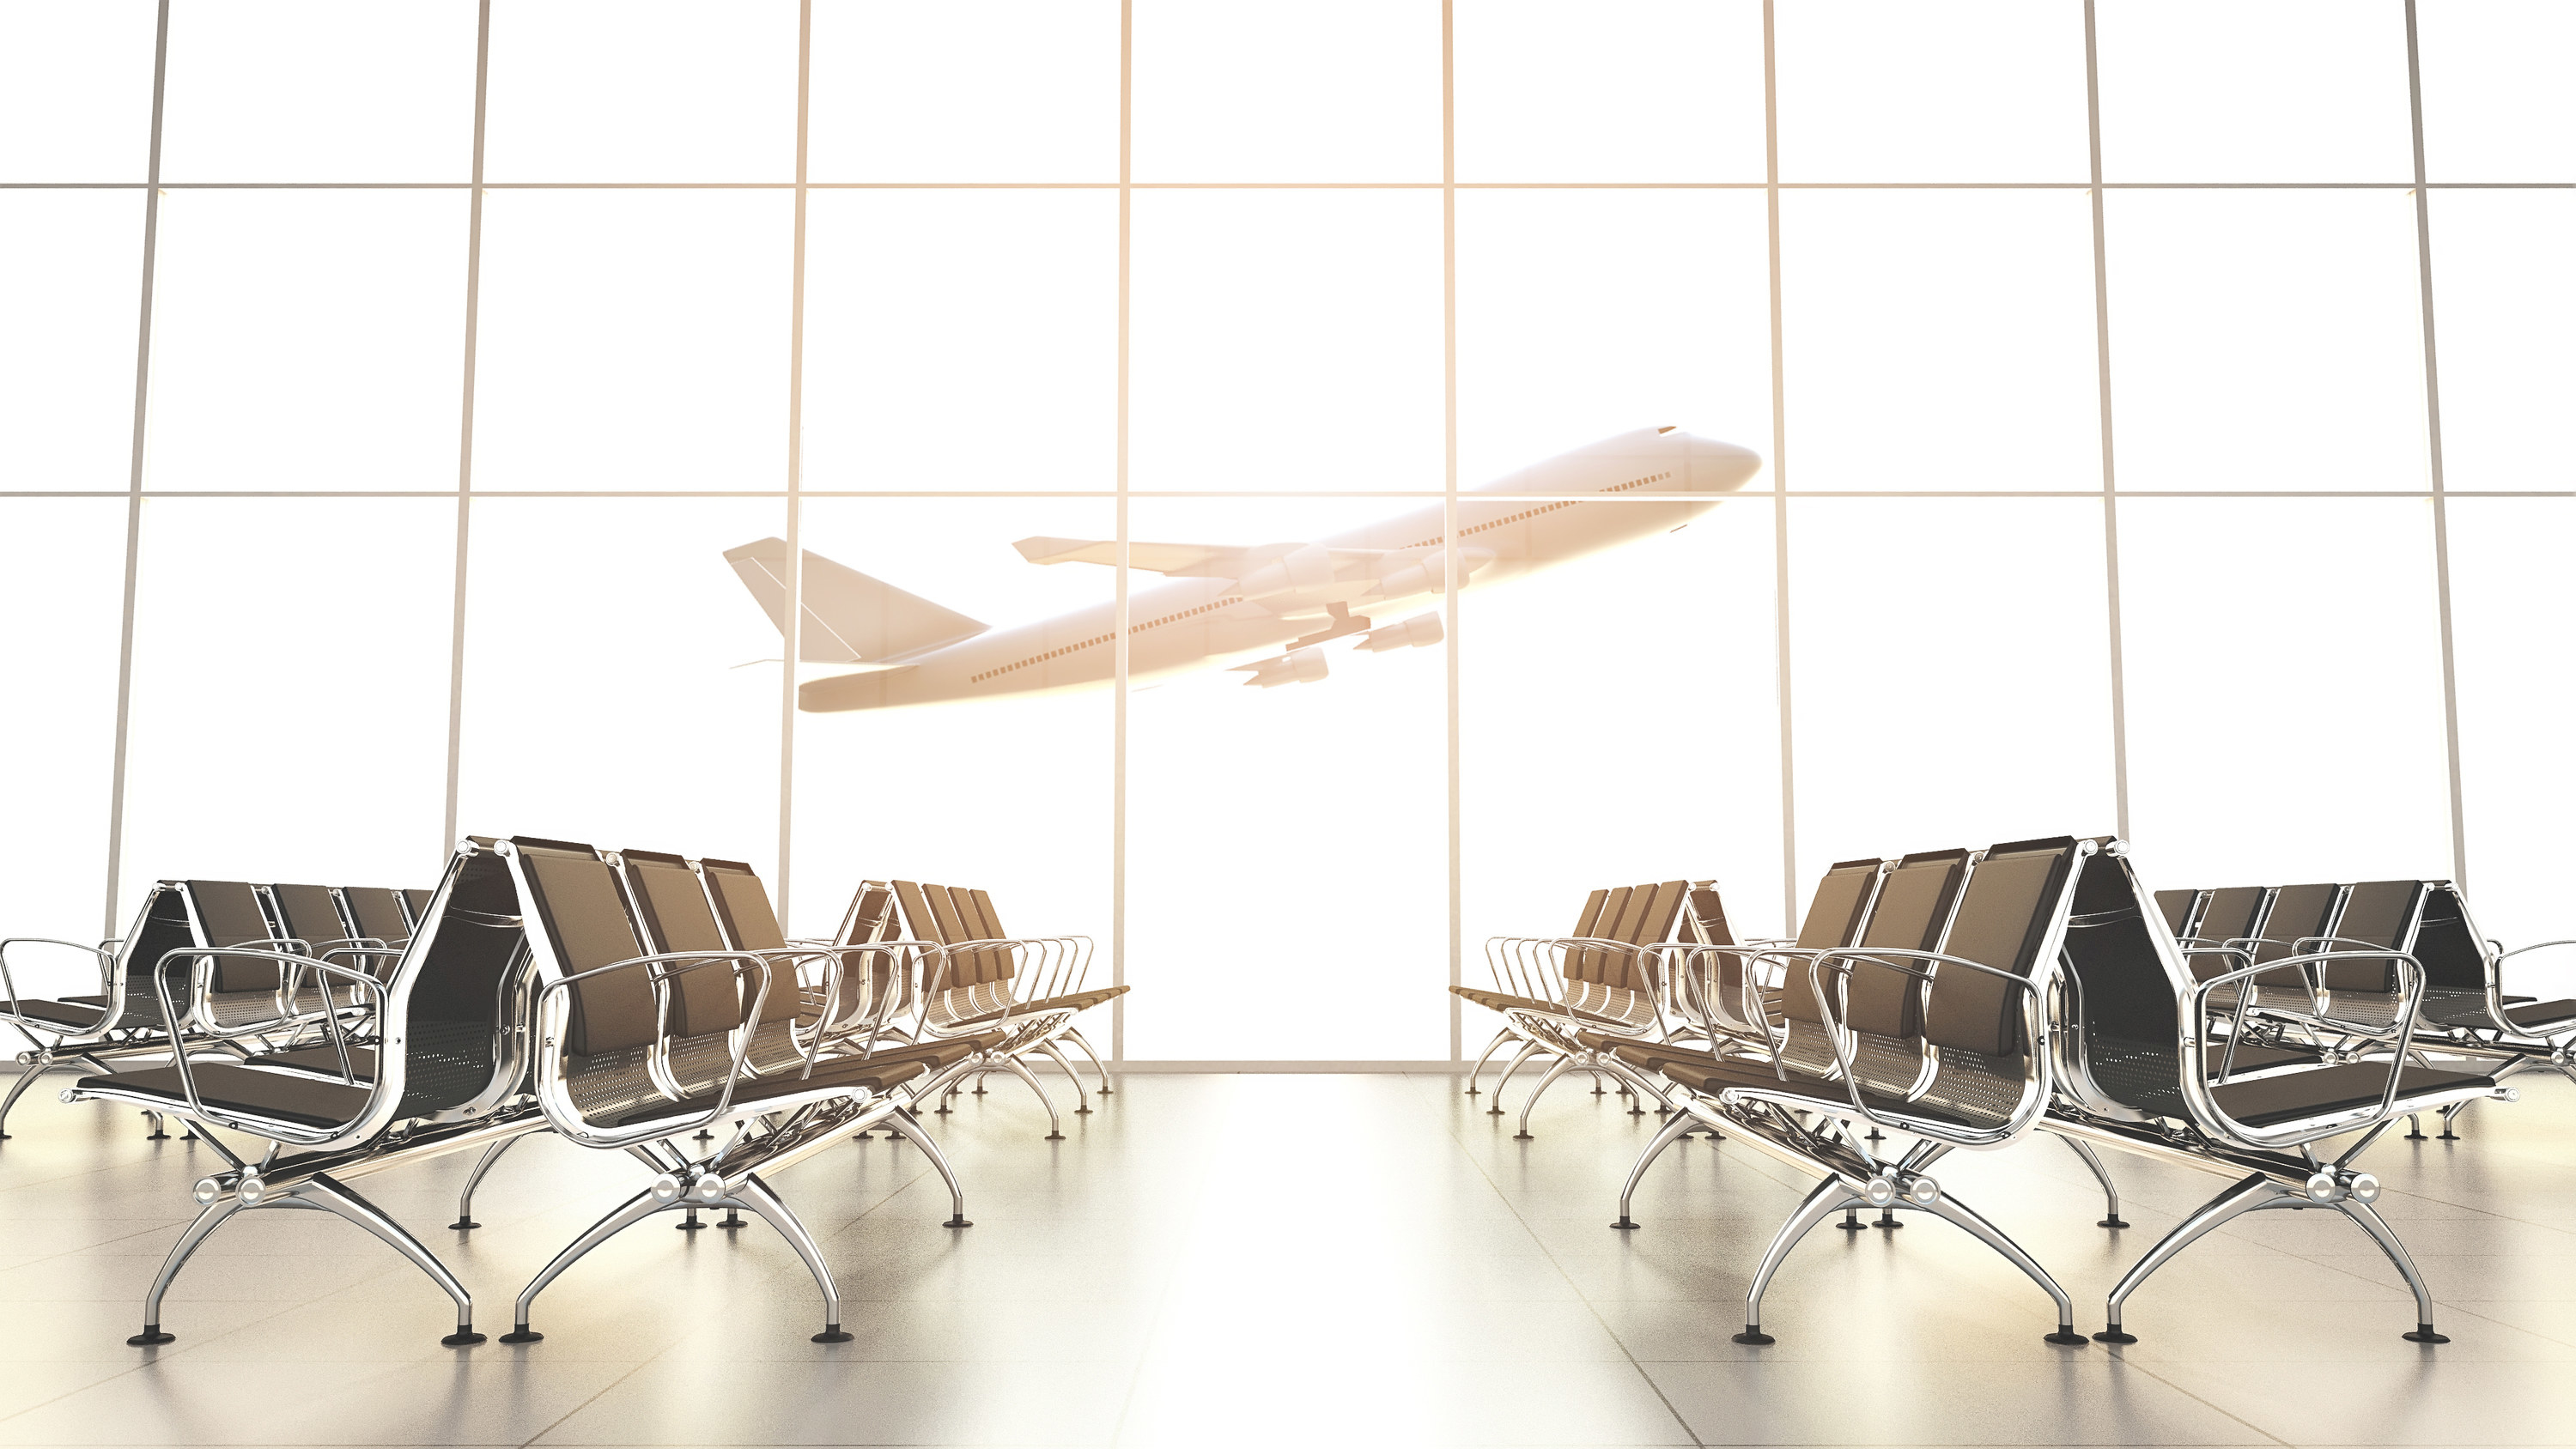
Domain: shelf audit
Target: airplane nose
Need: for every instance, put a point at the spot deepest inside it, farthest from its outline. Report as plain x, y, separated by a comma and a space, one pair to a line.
1715, 464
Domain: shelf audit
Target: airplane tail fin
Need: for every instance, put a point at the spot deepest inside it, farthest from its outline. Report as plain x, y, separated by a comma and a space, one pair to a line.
849, 618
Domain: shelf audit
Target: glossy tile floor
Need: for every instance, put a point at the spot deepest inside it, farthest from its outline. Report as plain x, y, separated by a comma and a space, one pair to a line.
1287, 1260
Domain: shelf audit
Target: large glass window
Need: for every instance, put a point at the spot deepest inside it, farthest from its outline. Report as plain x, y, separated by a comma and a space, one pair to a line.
307, 339
1234, 279
291, 665
71, 279
2284, 690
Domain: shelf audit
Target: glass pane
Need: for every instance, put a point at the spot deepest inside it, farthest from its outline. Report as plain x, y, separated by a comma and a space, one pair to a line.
1001, 782
62, 561
76, 91
2497, 106
2266, 340
307, 339
633, 340
1587, 313
1983, 718
1636, 90
2511, 599
2254, 90
621, 687
1286, 340
289, 718
1940, 339
1329, 90
2505, 312
1276, 833
961, 339
1900, 90
249, 80
1552, 667
992, 90
71, 279
641, 90
2283, 664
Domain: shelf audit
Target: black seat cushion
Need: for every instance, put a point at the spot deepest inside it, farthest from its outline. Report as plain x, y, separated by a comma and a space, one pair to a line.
240, 1091
321, 1061
2326, 1091
846, 1074
72, 1011
2541, 1014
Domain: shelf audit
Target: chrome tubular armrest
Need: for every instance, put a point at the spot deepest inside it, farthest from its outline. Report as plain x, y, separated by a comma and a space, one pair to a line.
553, 1007
2034, 1027
2195, 1069
106, 973
273, 1131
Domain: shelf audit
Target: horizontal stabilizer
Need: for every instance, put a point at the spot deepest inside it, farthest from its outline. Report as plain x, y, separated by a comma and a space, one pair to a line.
849, 618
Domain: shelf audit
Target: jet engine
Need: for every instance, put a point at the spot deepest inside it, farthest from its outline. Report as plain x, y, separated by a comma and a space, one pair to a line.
1308, 567
1297, 666
1419, 632
1431, 574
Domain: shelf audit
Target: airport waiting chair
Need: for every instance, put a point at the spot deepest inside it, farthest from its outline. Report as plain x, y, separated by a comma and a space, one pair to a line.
448, 1076
1026, 989
2143, 1068
627, 1060
123, 1020
1602, 980
1933, 1028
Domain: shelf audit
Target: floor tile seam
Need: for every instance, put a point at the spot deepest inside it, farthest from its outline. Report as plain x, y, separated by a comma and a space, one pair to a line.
2263, 1435
1585, 1299
2471, 1311
632, 1370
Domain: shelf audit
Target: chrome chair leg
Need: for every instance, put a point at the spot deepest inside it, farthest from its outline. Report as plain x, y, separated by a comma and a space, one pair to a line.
26, 1079
1555, 1070
1674, 1131
621, 1217
1528, 1050
324, 1195
1829, 1197
755, 1195
2253, 1192
1019, 1069
1485, 1056
483, 1164
1074, 1035
2102, 1175
1081, 1099
910, 1126
2380, 1233
209, 1218
1951, 1210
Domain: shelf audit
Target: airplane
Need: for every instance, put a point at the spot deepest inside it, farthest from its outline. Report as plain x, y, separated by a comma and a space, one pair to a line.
1266, 610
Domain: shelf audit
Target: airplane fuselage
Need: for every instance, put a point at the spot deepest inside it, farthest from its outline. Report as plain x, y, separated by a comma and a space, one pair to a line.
1610, 493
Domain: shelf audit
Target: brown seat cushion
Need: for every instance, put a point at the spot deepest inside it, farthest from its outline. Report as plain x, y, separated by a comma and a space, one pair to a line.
1075, 1001
2269, 1101
2540, 1014
243, 1091
1505, 1001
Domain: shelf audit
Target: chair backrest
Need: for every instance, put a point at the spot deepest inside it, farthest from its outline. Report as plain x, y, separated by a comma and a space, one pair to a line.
2380, 913
162, 924
378, 913
1588, 923
872, 918
2119, 1038
311, 914
457, 1000
2448, 946
416, 905
2011, 917
2232, 913
228, 913
2181, 910
672, 905
1645, 917
1835, 915
750, 923
1914, 906
2297, 913
576, 921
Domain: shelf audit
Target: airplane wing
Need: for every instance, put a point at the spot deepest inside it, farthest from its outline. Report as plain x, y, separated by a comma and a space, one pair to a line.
1177, 560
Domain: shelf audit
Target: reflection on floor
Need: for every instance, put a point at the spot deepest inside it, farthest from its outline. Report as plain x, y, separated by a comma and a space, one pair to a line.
1288, 1260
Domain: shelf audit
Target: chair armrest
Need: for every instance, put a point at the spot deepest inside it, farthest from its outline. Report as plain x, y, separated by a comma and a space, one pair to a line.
106, 972
205, 957
552, 1009
2195, 1069
2034, 1025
